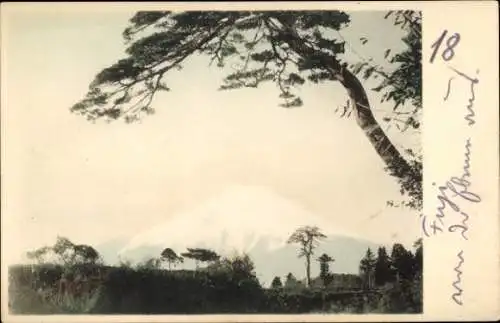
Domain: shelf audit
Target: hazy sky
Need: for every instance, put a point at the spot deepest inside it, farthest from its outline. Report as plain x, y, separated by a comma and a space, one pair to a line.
93, 182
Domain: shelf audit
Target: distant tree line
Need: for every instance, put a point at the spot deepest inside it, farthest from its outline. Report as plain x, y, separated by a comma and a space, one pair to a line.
225, 284
401, 265
399, 275
65, 252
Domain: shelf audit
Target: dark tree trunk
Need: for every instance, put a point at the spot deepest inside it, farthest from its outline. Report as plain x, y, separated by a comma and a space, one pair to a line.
369, 125
308, 271
356, 92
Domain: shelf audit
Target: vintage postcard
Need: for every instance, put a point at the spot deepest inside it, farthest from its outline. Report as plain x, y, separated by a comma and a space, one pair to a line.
250, 162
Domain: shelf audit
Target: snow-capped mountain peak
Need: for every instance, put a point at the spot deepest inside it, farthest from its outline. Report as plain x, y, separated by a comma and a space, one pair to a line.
237, 220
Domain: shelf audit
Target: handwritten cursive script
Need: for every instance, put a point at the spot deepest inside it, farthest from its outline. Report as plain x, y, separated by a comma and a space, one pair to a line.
458, 186
457, 296
470, 107
456, 193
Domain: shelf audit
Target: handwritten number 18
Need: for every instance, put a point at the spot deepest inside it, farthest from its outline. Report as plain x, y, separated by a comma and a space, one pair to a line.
451, 43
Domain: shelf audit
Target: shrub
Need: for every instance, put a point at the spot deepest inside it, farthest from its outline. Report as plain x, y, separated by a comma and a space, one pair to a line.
401, 297
318, 301
157, 291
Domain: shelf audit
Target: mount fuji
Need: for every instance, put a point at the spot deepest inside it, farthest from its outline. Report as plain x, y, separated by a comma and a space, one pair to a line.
248, 219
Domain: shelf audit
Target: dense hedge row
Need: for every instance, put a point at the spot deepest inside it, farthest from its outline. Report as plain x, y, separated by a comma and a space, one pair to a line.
46, 275
150, 291
281, 301
129, 291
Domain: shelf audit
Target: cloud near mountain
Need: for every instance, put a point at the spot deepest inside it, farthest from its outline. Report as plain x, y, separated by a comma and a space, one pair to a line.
255, 220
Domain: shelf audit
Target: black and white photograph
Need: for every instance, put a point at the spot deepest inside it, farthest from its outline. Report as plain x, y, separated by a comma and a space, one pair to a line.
193, 162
